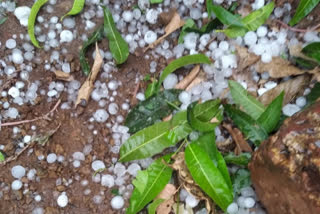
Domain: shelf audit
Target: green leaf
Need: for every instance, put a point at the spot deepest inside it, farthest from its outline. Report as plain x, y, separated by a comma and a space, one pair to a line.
117, 45
156, 1
189, 23
304, 8
247, 125
241, 97
204, 125
153, 180
312, 50
115, 192
205, 29
257, 18
3, 20
32, 19
242, 159
95, 37
182, 61
208, 176
271, 116
155, 138
233, 32
224, 15
152, 109
2, 157
240, 180
76, 8
154, 205
314, 94
305, 63
151, 89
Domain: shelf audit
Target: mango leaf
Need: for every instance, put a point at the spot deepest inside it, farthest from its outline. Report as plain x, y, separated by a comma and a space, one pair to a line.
155, 138
3, 20
205, 29
95, 37
154, 205
156, 1
2, 157
189, 23
242, 159
233, 32
304, 63
271, 116
240, 180
224, 15
208, 176
118, 46
304, 8
247, 125
152, 109
153, 181
76, 8
32, 19
204, 125
241, 97
258, 17
312, 50
314, 94
182, 61
151, 89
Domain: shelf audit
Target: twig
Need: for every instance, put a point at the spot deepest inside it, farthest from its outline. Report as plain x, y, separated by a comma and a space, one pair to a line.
44, 117
134, 94
297, 29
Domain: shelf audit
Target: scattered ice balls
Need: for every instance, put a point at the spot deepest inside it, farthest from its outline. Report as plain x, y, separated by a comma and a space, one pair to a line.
250, 38
51, 158
191, 201
133, 169
249, 202
17, 57
107, 181
101, 115
185, 97
14, 92
290, 109
190, 41
233, 208
150, 37
170, 81
22, 14
117, 202
62, 200
127, 16
11, 43
18, 171
16, 185
98, 164
66, 36
262, 31
301, 101
152, 16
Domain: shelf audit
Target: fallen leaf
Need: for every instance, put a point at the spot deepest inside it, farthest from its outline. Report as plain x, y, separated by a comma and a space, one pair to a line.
60, 75
167, 193
245, 58
291, 88
182, 209
278, 68
175, 23
241, 144
183, 84
87, 87
296, 51
199, 79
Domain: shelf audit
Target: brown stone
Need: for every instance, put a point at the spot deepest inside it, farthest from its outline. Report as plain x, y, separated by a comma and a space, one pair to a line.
285, 170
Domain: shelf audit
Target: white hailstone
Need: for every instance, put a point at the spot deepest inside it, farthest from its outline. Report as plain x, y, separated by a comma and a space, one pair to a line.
12, 113
101, 115
11, 43
28, 56
170, 81
78, 156
185, 97
97, 164
9, 70
18, 171
117, 202
133, 169
218, 1
229, 61
113, 108
17, 57
87, 149
90, 24
107, 181
27, 139
262, 91
76, 164
69, 23
22, 14
262, 31
66, 36
31, 174
290, 109
37, 198
152, 16
16, 185
250, 38
232, 208
224, 45
127, 16
150, 37
258, 49
257, 4
113, 85
190, 41
66, 67
183, 195
311, 36
270, 85
301, 101
266, 57
189, 3
247, 192
143, 4
14, 92
140, 96
278, 12
62, 200
191, 201
51, 158
38, 210
249, 202
119, 169
195, 13
52, 93
240, 201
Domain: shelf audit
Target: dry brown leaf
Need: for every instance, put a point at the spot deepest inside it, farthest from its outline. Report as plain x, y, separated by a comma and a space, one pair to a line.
167, 194
175, 23
245, 58
183, 84
87, 87
199, 79
60, 75
278, 68
291, 88
182, 209
241, 144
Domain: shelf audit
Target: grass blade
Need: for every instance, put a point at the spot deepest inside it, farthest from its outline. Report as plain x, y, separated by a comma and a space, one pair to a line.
304, 8
32, 19
76, 8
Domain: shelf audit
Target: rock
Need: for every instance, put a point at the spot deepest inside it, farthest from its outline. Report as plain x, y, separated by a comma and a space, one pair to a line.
285, 170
